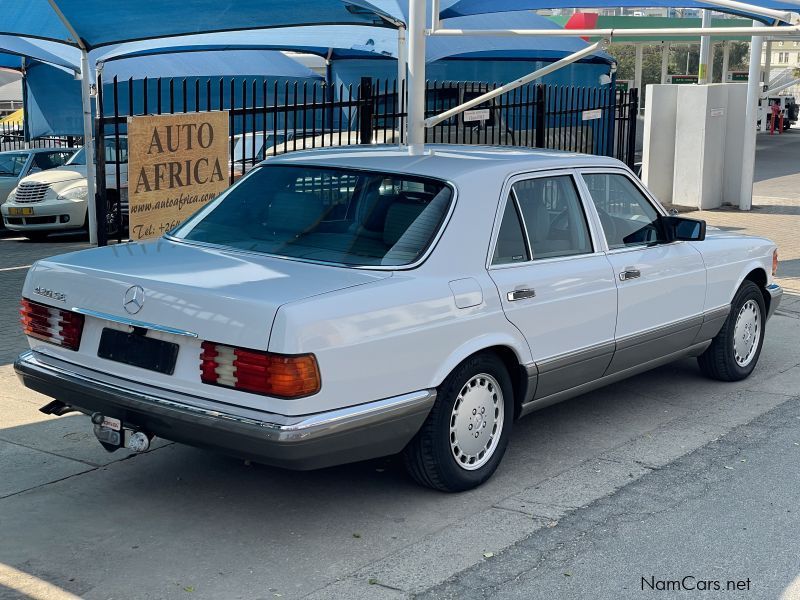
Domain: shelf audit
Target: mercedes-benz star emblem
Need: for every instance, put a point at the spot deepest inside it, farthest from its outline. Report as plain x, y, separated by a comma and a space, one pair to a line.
134, 299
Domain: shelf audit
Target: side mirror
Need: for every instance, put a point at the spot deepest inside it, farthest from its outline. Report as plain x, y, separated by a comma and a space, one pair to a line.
682, 229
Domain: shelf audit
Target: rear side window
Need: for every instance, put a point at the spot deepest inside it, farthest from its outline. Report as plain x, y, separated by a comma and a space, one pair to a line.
553, 216
333, 215
544, 214
511, 246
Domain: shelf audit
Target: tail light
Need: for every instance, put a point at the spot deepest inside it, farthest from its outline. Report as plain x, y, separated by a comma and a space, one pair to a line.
774, 262
61, 327
258, 372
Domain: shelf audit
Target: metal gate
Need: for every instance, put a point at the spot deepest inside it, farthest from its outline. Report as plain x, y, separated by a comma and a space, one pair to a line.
272, 117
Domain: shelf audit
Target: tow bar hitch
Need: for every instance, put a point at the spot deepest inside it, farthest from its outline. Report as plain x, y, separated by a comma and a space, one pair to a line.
112, 435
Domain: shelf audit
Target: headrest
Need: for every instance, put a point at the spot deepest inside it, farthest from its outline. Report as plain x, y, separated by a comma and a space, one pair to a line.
295, 211
398, 218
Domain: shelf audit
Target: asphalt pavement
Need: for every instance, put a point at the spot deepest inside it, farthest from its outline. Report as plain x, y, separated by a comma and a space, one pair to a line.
721, 522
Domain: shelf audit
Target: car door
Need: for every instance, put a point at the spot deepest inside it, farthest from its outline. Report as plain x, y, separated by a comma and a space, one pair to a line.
555, 283
661, 285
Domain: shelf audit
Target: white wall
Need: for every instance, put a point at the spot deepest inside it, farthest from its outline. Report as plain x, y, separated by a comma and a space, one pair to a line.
658, 149
692, 154
700, 128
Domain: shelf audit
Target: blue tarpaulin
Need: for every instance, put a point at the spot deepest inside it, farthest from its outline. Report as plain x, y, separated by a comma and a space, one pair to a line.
54, 97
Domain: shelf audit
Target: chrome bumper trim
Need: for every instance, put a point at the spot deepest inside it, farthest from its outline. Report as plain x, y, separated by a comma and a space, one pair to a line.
776, 293
132, 322
331, 437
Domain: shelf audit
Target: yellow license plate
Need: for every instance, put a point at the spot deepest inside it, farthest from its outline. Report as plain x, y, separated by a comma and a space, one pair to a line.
19, 212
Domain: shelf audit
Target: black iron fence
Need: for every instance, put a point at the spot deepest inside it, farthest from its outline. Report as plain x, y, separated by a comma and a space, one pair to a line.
12, 137
274, 117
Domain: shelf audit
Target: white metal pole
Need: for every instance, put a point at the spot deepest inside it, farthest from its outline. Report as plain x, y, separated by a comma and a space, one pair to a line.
637, 67
88, 145
703, 71
768, 64
503, 89
651, 32
750, 120
402, 58
664, 61
416, 76
747, 8
778, 89
726, 59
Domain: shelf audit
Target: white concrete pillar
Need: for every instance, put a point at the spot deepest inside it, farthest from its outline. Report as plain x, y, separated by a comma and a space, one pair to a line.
751, 118
402, 58
637, 68
704, 74
664, 61
726, 59
416, 76
768, 64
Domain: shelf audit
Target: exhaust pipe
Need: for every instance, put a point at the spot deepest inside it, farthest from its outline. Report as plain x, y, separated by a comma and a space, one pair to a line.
58, 408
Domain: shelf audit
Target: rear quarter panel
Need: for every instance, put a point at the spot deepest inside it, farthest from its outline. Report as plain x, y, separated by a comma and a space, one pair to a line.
405, 333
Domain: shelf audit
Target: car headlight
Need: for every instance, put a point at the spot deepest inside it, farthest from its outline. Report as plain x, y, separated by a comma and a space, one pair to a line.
12, 196
79, 192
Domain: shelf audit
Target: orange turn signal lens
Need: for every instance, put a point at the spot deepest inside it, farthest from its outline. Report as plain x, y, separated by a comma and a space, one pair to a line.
775, 262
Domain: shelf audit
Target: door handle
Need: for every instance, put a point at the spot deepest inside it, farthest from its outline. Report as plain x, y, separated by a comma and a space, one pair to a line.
521, 294
630, 273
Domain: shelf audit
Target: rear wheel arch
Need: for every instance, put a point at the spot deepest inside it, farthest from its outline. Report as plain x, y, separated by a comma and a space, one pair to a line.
513, 364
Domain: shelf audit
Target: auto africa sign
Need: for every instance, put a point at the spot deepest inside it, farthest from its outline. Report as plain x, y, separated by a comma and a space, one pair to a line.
177, 164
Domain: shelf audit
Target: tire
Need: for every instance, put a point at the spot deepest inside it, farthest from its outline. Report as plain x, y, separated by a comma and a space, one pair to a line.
36, 236
435, 458
729, 359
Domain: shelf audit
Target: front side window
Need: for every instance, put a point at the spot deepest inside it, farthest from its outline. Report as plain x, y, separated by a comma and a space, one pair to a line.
110, 148
627, 216
333, 215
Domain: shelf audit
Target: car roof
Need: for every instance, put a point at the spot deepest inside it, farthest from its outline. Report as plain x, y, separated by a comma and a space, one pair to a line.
444, 161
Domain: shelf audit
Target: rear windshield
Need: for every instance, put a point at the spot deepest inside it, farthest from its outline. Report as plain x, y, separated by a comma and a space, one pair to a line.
340, 216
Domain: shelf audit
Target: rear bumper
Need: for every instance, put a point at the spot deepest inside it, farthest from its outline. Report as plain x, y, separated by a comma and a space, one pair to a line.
776, 293
306, 442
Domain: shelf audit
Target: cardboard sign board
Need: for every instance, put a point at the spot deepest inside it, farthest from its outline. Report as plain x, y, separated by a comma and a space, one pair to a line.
481, 114
590, 115
177, 164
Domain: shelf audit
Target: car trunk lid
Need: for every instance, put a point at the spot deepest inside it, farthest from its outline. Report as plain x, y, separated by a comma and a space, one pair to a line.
219, 295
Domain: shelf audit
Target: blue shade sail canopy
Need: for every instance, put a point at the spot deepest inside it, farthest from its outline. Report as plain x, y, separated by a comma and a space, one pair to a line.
231, 63
15, 48
54, 95
462, 8
341, 42
103, 22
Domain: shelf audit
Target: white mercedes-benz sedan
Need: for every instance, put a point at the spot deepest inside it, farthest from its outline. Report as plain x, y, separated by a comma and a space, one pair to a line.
338, 305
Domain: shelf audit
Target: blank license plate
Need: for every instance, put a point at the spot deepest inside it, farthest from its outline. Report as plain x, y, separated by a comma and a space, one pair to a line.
15, 211
137, 350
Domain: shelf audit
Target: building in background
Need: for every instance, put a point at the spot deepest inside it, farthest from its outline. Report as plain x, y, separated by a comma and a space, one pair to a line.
10, 92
